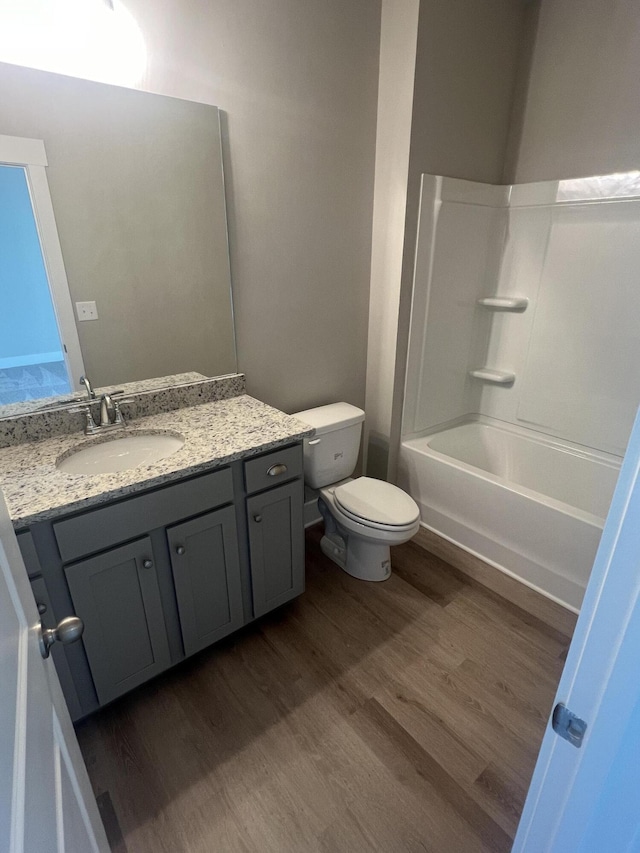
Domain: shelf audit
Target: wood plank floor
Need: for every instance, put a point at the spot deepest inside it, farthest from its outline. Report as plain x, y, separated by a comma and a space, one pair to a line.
403, 716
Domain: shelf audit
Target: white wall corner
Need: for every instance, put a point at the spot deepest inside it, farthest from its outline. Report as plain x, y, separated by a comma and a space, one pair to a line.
398, 45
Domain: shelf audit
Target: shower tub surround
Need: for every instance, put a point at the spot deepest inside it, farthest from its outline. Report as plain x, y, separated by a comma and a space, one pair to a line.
529, 505
522, 373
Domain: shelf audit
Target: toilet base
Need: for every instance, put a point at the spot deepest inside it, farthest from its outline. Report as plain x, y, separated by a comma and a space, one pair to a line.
367, 561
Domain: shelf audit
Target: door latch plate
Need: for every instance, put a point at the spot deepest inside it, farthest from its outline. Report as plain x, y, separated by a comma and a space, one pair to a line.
568, 725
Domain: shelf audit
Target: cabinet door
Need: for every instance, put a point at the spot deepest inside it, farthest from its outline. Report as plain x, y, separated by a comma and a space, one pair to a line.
206, 573
276, 546
116, 595
58, 651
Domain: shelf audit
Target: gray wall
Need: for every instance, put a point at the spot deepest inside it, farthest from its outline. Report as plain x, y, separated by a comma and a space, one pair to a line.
466, 76
298, 83
581, 112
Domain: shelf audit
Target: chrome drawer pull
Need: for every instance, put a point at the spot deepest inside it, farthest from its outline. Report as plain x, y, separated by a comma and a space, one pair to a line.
276, 470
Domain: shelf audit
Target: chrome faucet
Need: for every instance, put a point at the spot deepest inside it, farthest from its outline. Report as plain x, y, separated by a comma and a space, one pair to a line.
110, 416
91, 394
107, 411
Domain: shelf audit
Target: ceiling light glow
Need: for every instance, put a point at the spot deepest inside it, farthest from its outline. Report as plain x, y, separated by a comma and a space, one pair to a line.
92, 39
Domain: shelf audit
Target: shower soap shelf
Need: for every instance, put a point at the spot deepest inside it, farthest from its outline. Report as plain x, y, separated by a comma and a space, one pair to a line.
497, 377
504, 303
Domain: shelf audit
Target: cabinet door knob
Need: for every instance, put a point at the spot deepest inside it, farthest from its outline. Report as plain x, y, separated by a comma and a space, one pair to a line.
180, 550
147, 564
42, 608
257, 518
276, 470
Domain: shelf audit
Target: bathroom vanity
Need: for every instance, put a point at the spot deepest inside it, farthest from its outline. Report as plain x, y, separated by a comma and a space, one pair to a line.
163, 560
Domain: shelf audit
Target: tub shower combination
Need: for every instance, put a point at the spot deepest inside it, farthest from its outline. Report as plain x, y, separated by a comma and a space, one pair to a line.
528, 505
521, 385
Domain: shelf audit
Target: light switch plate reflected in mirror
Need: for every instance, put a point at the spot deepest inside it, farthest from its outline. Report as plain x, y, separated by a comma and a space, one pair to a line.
86, 311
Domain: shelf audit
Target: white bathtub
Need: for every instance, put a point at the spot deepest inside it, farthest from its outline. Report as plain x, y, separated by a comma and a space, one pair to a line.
529, 505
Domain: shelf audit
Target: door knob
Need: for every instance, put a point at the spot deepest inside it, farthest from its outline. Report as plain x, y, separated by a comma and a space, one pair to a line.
257, 518
180, 550
147, 564
66, 631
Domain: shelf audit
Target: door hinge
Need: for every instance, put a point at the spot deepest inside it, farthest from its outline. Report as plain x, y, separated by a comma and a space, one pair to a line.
567, 725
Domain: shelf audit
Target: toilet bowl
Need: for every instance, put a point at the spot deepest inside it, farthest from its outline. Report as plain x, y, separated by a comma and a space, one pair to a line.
363, 517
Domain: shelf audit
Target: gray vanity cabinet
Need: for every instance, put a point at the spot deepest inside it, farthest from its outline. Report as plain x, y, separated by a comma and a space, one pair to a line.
276, 545
206, 575
118, 598
159, 575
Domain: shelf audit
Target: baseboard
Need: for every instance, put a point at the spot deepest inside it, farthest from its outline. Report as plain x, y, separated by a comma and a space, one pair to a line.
533, 602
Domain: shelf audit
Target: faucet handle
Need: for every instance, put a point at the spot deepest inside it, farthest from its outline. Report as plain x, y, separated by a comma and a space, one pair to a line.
90, 426
119, 419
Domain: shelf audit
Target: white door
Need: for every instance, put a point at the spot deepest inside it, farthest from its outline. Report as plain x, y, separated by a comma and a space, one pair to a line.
46, 801
587, 799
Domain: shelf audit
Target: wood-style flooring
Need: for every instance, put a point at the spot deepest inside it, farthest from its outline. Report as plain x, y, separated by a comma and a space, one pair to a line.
402, 716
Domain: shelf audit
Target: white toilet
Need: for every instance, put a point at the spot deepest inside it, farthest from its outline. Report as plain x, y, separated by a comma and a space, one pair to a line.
362, 517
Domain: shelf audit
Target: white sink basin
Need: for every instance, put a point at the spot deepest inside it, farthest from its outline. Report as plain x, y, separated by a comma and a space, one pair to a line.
120, 453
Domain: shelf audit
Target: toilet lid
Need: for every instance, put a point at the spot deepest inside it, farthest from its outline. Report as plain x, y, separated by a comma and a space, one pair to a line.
377, 502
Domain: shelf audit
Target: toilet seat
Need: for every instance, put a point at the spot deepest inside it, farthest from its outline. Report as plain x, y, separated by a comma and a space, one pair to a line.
376, 504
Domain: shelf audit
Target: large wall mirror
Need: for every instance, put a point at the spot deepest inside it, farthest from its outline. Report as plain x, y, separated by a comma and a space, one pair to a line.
136, 185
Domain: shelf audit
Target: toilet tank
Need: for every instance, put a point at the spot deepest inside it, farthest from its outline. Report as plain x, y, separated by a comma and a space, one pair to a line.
331, 454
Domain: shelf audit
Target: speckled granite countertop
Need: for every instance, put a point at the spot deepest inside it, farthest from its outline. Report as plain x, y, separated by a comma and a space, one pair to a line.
214, 433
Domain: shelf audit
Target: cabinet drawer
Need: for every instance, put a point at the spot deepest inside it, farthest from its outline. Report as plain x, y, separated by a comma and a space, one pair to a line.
102, 528
273, 468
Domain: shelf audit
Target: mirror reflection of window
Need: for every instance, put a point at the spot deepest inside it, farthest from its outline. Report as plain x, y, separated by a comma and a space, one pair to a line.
32, 363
